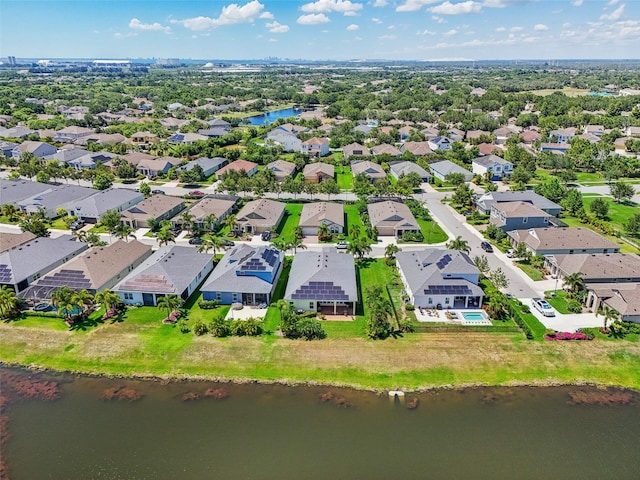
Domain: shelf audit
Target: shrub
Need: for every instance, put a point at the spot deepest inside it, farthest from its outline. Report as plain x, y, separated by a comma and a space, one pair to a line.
208, 304
567, 336
249, 327
184, 328
406, 325
310, 329
412, 237
525, 308
200, 328
574, 306
410, 307
219, 327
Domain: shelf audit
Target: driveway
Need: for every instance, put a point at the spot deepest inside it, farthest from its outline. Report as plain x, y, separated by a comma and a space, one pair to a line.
566, 322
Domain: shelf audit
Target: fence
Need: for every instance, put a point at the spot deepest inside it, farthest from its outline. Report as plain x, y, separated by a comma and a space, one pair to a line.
426, 328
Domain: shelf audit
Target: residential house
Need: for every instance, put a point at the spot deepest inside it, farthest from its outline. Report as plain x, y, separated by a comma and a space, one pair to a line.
92, 208
142, 139
219, 123
563, 135
101, 139
371, 170
624, 298
9, 241
597, 130
7, 148
260, 215
324, 282
152, 167
455, 134
557, 148
406, 132
632, 131
476, 134
440, 143
24, 264
440, 278
430, 133
90, 160
518, 215
220, 206
317, 213
134, 158
15, 191
282, 169
186, 138
213, 132
315, 147
95, 270
158, 207
291, 128
530, 136
485, 201
497, 168
355, 149
38, 149
245, 166
63, 196
419, 149
503, 134
402, 168
488, 148
169, 271
562, 241
318, 172
209, 165
442, 169
289, 141
385, 149
246, 275
392, 218
71, 134
19, 131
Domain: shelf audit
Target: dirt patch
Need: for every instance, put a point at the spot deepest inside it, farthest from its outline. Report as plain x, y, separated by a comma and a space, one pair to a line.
607, 397
190, 396
333, 399
216, 393
121, 393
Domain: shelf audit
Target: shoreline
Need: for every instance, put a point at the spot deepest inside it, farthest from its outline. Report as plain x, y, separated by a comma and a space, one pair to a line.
309, 383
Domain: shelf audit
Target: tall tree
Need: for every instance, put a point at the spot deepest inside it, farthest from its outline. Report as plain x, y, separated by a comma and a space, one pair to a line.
8, 302
621, 191
459, 243
169, 303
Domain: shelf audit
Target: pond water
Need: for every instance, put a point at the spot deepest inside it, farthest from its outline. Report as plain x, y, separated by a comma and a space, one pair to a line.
271, 117
276, 432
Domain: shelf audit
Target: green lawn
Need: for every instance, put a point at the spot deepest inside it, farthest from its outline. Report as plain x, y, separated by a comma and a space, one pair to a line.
98, 229
432, 232
344, 178
558, 300
287, 227
588, 177
619, 213
58, 224
5, 219
353, 218
533, 273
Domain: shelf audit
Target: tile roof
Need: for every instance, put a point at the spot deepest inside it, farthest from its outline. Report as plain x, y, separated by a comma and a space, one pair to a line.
613, 266
391, 214
261, 213
313, 214
562, 238
311, 170
12, 240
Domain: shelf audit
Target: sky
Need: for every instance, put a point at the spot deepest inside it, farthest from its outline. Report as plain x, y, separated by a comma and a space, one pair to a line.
321, 29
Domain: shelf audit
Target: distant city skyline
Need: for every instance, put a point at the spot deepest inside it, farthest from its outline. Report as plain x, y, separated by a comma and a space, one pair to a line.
321, 29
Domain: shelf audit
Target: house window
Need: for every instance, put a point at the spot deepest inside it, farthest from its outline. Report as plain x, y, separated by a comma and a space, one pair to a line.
430, 301
128, 296
570, 252
546, 219
446, 300
605, 251
218, 296
524, 219
310, 305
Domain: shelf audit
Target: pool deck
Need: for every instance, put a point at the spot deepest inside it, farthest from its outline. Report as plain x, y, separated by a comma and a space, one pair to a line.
455, 317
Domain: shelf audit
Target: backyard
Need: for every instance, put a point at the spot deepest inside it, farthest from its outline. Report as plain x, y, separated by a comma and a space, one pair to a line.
344, 178
287, 228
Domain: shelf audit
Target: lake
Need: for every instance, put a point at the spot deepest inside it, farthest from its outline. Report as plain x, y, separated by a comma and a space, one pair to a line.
271, 117
278, 432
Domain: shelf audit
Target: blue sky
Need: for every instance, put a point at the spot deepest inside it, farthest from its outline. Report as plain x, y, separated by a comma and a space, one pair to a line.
321, 29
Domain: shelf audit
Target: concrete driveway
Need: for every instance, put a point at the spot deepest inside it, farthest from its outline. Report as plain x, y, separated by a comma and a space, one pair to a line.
566, 322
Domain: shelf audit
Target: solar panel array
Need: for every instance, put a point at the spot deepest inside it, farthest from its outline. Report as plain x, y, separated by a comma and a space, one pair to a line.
74, 279
254, 265
270, 256
448, 290
320, 291
5, 274
444, 261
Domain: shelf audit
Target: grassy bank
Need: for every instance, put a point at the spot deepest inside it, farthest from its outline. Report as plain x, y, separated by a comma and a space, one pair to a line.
145, 347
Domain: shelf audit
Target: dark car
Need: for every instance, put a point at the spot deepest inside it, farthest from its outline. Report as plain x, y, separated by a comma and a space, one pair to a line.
228, 243
486, 246
195, 241
77, 225
157, 192
266, 235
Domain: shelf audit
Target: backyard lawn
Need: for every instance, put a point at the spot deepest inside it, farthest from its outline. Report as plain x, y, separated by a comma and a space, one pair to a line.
619, 213
353, 218
344, 178
287, 227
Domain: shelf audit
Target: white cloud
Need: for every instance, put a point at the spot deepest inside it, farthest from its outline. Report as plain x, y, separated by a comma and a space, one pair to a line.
376, 20
615, 15
577, 3
125, 35
266, 16
230, 15
313, 19
516, 29
501, 29
414, 5
353, 27
502, 3
346, 7
540, 27
448, 8
380, 3
612, 2
450, 33
359, 39
435, 18
136, 24
275, 27
426, 32
388, 37
272, 40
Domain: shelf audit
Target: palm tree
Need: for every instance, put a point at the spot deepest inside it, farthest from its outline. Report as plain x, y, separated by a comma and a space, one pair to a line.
80, 235
459, 244
214, 242
390, 252
186, 218
84, 299
209, 221
574, 283
65, 300
354, 231
124, 232
165, 236
359, 247
8, 302
281, 244
609, 314
323, 231
107, 298
169, 303
10, 211
297, 243
230, 221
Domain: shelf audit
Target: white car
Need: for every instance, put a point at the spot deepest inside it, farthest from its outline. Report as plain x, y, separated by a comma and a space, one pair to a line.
511, 253
543, 307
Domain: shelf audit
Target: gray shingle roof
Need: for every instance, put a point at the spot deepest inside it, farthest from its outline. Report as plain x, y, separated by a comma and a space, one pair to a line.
13, 191
404, 167
56, 197
111, 199
490, 160
447, 167
326, 275
489, 199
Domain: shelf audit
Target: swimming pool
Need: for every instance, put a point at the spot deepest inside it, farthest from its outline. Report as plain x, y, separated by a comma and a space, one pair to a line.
477, 317
473, 316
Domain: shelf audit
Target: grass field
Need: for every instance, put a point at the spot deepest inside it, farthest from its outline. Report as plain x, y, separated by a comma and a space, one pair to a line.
568, 91
533, 273
558, 300
432, 232
344, 178
619, 213
353, 218
288, 225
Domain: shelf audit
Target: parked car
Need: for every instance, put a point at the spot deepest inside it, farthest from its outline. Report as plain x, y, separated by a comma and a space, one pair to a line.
543, 307
266, 235
157, 192
486, 246
77, 225
342, 245
228, 243
511, 253
195, 241
196, 193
